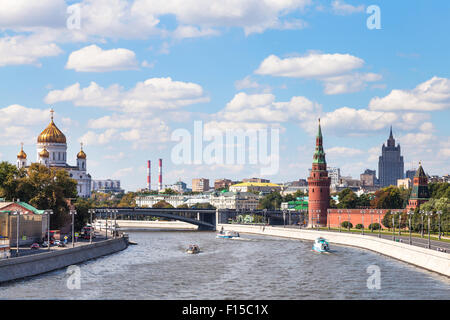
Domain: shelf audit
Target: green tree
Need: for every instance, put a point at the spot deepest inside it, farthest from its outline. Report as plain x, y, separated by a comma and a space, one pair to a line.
162, 205
272, 201
388, 198
347, 199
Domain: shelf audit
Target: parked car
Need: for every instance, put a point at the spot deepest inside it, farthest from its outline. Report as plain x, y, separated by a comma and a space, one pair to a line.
35, 246
61, 244
57, 242
44, 244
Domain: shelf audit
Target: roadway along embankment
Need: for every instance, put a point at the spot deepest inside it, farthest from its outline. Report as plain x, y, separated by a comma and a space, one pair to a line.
21, 267
425, 258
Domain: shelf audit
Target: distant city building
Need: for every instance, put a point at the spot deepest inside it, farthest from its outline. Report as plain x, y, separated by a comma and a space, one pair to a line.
404, 183
410, 174
368, 178
200, 185
419, 192
174, 200
222, 184
179, 187
235, 200
258, 180
264, 187
296, 205
298, 183
390, 164
107, 186
335, 176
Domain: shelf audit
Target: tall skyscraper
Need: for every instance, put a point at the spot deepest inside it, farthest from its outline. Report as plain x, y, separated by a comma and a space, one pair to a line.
318, 186
390, 164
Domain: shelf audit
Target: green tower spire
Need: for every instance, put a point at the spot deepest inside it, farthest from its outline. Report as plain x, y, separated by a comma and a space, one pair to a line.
319, 154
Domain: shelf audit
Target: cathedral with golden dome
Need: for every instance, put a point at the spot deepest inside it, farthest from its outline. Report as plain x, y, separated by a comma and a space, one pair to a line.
52, 152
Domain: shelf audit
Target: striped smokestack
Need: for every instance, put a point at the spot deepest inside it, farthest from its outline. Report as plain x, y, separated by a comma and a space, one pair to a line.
160, 175
148, 175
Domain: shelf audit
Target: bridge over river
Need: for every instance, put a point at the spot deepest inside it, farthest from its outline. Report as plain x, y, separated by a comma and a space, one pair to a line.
205, 219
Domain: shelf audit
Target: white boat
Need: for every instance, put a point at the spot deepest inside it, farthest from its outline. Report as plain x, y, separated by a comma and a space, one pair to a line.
227, 234
193, 248
321, 245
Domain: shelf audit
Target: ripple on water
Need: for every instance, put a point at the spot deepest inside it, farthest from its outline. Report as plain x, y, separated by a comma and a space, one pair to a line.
261, 268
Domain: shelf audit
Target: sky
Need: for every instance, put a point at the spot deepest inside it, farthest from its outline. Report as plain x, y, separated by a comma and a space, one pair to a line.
132, 80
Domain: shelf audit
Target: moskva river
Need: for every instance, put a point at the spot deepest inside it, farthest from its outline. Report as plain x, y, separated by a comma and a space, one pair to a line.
255, 267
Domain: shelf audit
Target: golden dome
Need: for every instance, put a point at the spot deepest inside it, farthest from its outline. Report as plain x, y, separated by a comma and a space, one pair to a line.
81, 154
21, 154
51, 134
44, 153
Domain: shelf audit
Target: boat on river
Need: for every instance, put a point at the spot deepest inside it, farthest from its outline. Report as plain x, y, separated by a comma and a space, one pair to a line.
193, 249
321, 245
227, 234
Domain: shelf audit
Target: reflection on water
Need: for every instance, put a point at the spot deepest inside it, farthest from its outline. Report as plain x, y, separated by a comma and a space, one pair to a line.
259, 268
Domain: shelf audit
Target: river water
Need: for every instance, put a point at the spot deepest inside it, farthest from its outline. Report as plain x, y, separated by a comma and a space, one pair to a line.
255, 267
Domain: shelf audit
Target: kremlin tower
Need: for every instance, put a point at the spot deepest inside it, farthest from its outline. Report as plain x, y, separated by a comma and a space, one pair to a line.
419, 192
318, 186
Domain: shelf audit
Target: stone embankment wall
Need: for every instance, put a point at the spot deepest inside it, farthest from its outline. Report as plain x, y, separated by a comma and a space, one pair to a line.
425, 258
21, 267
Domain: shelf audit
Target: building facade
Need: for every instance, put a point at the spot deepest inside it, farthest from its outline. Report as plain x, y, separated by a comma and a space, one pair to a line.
368, 178
390, 163
107, 186
222, 184
52, 152
235, 200
200, 185
319, 186
260, 187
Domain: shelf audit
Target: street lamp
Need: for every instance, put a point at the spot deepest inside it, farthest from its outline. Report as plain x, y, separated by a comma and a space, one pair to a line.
410, 213
284, 218
362, 212
439, 215
18, 214
429, 214
421, 228
318, 218
399, 222
393, 226
115, 222
91, 211
348, 222
379, 223
48, 213
340, 211
73, 213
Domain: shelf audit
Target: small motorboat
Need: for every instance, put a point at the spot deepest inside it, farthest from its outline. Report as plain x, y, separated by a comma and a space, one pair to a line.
321, 245
193, 248
227, 234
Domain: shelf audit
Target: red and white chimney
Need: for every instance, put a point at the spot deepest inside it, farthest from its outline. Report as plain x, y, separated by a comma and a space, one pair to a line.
148, 175
160, 175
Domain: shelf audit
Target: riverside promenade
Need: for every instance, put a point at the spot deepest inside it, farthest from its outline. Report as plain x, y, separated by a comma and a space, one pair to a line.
424, 258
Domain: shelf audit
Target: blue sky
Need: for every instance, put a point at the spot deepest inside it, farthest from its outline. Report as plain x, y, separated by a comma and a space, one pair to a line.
135, 71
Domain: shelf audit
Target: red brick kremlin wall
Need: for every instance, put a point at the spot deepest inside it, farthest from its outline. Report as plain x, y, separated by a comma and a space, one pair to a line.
356, 216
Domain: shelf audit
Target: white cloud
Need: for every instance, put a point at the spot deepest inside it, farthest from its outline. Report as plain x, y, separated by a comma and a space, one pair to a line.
21, 49
352, 82
122, 173
334, 70
182, 32
312, 65
25, 14
343, 152
151, 94
431, 95
94, 59
263, 108
249, 83
342, 8
92, 138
